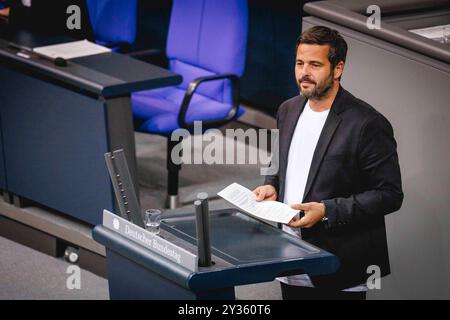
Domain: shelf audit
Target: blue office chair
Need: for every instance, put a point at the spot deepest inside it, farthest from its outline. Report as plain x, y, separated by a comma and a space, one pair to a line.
113, 22
206, 44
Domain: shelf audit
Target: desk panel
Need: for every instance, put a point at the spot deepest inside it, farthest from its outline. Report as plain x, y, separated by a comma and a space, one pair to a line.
57, 123
54, 141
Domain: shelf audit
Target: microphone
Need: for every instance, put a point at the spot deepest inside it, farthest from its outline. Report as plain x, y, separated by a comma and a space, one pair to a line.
202, 226
58, 61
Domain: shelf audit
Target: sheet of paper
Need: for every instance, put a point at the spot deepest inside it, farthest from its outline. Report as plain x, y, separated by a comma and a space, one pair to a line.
70, 50
245, 200
434, 33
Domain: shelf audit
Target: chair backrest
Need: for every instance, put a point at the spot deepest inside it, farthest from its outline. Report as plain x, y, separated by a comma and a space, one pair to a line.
113, 21
208, 37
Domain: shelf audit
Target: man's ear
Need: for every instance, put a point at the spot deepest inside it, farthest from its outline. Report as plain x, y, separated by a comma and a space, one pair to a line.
338, 70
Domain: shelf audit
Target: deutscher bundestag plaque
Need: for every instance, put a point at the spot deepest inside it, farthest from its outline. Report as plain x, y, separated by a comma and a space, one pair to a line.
150, 241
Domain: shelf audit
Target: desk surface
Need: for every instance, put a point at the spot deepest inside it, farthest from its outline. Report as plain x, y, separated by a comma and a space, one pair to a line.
241, 239
108, 74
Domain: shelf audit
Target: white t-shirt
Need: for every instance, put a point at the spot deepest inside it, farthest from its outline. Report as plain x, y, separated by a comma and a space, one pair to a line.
301, 151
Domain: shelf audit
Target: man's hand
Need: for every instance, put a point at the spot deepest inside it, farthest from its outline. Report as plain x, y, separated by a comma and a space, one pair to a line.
266, 192
314, 212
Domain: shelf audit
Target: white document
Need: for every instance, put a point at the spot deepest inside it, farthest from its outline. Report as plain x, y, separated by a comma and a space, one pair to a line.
245, 200
434, 33
70, 50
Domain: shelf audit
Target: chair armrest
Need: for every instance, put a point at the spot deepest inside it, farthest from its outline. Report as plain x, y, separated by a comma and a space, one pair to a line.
193, 86
145, 52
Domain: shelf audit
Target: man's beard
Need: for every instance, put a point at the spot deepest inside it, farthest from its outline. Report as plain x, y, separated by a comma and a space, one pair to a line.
319, 92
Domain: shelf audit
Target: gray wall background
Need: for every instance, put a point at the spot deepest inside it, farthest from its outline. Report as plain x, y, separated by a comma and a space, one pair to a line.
413, 92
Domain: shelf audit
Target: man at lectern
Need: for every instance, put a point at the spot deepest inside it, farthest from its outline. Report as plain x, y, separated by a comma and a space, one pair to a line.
338, 163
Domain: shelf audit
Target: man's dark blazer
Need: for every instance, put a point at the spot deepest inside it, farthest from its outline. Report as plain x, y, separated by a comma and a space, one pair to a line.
355, 172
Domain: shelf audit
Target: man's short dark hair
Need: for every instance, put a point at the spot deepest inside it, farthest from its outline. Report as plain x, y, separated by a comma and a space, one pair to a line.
325, 36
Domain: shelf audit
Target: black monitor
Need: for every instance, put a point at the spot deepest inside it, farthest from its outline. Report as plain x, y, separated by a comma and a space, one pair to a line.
124, 190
